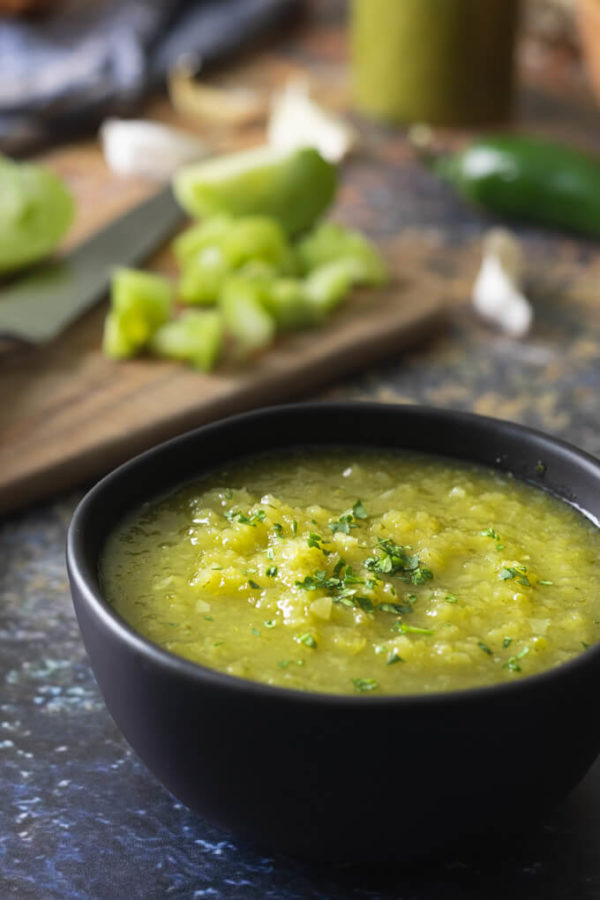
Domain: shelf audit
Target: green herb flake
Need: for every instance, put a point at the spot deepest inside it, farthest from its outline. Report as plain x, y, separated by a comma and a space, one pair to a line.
228, 493
364, 685
512, 664
307, 639
485, 648
451, 598
540, 467
208, 618
585, 646
499, 547
491, 533
358, 511
545, 582
393, 559
271, 571
270, 553
278, 529
315, 540
283, 663
507, 642
299, 662
255, 632
253, 585
507, 573
294, 527
393, 658
412, 629
523, 653
270, 623
218, 644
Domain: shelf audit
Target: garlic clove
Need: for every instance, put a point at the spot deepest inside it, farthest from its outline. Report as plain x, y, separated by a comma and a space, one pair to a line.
497, 296
297, 121
148, 149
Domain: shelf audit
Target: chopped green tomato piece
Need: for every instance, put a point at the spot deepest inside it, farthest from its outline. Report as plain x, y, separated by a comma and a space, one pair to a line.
294, 188
330, 242
36, 210
194, 240
203, 277
286, 301
244, 315
140, 303
254, 238
195, 338
328, 286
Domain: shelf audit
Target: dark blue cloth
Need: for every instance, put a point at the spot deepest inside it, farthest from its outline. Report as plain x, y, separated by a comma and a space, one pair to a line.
63, 71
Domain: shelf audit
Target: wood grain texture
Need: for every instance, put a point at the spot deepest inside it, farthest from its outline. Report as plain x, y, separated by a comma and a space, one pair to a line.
67, 414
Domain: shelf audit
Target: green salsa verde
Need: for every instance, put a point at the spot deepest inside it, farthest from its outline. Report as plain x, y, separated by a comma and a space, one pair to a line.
360, 572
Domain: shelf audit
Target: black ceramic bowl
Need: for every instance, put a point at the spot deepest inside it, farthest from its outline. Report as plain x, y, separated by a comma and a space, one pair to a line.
321, 775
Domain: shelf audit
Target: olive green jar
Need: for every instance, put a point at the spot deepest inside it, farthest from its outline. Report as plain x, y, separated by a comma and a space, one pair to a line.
443, 62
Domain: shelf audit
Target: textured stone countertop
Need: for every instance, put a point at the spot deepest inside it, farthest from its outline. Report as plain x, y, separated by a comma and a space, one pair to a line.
80, 817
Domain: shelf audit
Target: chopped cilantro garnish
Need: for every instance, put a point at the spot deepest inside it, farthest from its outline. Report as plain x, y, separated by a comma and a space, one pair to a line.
358, 511
228, 493
315, 540
343, 524
218, 644
490, 532
512, 664
540, 467
307, 639
253, 585
364, 685
507, 573
294, 527
499, 547
392, 559
545, 582
278, 529
269, 623
208, 618
258, 516
270, 553
271, 571
393, 658
507, 642
451, 598
485, 648
585, 646
283, 663
255, 632
396, 609
411, 629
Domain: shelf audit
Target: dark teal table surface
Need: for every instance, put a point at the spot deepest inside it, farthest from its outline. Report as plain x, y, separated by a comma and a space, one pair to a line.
80, 817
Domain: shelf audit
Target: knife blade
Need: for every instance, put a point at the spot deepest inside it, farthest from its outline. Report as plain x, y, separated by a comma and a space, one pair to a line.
38, 306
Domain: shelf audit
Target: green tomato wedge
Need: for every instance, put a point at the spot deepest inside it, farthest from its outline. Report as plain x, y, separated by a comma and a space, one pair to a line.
195, 337
329, 242
244, 314
286, 300
329, 285
203, 276
140, 303
257, 238
195, 239
36, 210
294, 188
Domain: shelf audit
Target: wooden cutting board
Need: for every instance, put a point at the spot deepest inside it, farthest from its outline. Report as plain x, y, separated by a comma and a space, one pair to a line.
68, 415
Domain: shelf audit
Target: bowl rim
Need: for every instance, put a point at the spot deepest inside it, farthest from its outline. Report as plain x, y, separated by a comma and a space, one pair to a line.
85, 581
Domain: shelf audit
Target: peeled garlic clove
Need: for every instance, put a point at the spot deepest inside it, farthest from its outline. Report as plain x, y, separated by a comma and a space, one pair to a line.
297, 121
149, 149
496, 293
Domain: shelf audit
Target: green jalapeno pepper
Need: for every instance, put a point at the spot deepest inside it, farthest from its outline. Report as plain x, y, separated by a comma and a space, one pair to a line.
528, 178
